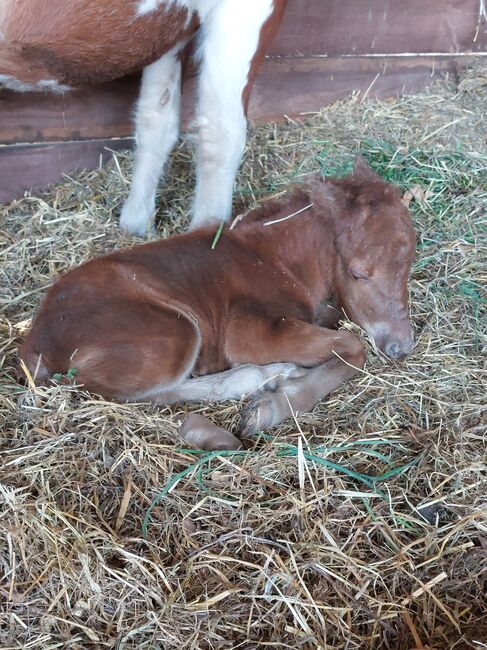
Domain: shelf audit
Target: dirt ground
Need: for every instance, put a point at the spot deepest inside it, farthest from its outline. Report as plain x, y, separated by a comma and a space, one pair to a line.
360, 525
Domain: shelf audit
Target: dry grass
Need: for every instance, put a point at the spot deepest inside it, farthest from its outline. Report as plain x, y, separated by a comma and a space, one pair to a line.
362, 525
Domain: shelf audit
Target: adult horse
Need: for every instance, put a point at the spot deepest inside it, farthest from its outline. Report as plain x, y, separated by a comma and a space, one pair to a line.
64, 44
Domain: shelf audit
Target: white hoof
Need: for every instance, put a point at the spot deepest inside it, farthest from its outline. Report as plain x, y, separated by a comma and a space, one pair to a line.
137, 217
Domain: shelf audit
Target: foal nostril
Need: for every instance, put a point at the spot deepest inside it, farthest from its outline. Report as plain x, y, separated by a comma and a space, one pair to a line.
392, 350
398, 350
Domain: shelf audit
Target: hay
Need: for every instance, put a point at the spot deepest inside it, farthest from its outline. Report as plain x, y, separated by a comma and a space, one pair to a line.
361, 525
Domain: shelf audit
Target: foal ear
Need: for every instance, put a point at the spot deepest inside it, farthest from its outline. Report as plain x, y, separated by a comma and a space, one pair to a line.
326, 195
362, 171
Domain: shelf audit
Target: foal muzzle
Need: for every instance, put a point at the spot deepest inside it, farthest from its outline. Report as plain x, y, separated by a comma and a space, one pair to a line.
398, 350
395, 339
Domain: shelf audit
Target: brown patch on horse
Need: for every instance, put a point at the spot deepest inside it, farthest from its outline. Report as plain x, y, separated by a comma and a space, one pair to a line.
81, 43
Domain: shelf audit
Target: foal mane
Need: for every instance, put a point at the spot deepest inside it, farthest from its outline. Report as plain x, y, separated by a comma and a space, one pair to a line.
331, 197
273, 206
350, 190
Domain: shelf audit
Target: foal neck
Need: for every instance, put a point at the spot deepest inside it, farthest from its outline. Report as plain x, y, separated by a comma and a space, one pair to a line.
297, 238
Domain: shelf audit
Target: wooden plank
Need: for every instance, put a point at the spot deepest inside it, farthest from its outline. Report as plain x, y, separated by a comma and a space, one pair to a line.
25, 167
284, 87
294, 86
105, 111
99, 112
324, 27
339, 27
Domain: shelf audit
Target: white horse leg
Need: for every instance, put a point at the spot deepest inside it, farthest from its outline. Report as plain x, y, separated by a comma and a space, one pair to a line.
157, 130
230, 38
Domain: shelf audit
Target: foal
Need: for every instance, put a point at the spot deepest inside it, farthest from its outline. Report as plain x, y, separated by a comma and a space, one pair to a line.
177, 321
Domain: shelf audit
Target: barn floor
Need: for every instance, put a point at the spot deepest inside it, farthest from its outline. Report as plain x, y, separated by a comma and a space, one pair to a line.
361, 525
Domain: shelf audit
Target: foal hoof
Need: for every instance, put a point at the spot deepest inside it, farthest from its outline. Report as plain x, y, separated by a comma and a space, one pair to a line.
257, 414
200, 432
249, 420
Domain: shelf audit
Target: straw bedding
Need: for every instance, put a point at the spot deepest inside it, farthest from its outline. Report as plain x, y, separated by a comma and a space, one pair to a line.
360, 525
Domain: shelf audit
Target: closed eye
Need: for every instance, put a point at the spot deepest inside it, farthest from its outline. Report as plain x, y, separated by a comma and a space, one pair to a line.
358, 275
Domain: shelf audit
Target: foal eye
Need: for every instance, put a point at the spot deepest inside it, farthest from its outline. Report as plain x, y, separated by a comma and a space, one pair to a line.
358, 275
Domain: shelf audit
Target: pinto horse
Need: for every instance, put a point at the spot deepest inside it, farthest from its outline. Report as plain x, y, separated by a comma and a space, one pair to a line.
177, 320
58, 45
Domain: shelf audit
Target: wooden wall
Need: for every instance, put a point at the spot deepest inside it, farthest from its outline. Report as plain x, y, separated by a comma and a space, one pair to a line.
325, 50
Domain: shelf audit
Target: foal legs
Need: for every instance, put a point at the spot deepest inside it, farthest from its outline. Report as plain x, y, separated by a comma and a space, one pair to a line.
230, 39
230, 384
235, 383
299, 342
148, 350
157, 129
294, 396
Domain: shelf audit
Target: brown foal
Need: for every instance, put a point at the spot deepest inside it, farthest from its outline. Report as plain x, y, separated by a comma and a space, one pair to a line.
177, 321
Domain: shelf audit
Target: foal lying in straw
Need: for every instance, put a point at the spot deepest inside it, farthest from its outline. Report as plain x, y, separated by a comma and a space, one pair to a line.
176, 320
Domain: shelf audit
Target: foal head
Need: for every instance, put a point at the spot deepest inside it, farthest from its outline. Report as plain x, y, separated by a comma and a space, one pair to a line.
375, 243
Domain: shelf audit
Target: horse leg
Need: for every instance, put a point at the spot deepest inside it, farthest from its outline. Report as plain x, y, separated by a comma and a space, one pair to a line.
235, 383
230, 51
145, 351
333, 356
157, 130
298, 395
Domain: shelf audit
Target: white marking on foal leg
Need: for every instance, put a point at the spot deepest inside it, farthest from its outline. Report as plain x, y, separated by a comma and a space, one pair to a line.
230, 36
157, 129
235, 383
